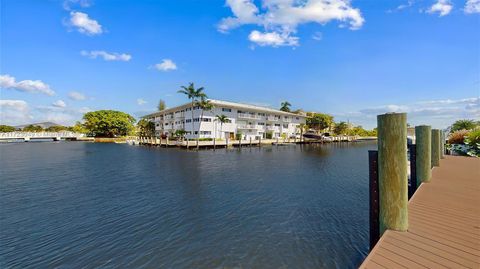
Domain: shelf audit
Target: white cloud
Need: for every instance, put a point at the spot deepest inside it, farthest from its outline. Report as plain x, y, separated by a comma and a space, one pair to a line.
443, 7
438, 113
107, 56
273, 39
166, 65
77, 96
284, 16
59, 103
472, 6
67, 4
14, 112
85, 24
32, 86
140, 101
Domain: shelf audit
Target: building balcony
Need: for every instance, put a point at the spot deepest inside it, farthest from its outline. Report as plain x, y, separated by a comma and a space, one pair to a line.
248, 116
246, 126
272, 118
287, 119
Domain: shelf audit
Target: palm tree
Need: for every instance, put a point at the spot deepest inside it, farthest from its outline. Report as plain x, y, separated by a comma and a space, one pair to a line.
302, 127
193, 94
222, 119
205, 105
285, 106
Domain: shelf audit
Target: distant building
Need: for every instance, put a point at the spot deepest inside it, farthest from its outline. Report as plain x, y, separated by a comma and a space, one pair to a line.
248, 120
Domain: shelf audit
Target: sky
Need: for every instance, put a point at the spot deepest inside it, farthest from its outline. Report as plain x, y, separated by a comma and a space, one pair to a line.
353, 59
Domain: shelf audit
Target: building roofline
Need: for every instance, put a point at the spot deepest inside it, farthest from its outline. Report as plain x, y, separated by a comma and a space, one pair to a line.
226, 104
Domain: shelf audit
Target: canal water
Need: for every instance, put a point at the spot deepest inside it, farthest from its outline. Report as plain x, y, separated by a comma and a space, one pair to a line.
90, 205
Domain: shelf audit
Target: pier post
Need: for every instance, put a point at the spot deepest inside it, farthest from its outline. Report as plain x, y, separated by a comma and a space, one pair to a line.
166, 145
373, 185
250, 141
214, 142
226, 141
435, 148
423, 141
392, 171
259, 141
442, 144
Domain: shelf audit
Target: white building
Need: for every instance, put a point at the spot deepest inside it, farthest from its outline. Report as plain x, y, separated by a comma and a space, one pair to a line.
248, 120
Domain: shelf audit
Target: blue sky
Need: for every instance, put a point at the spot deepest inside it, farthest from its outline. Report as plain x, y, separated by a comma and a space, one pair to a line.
352, 59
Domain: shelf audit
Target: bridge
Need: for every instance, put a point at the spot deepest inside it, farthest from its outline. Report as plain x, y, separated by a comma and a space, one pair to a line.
27, 136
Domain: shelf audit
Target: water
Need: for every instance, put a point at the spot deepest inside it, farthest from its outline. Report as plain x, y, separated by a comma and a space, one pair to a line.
90, 205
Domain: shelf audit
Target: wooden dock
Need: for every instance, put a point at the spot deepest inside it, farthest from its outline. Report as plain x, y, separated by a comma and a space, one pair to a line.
444, 222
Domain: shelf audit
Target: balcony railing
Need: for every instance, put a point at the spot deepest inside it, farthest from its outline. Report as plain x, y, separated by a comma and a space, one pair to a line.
272, 118
246, 126
248, 116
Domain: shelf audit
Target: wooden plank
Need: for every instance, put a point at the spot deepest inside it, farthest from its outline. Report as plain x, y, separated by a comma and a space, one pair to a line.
444, 222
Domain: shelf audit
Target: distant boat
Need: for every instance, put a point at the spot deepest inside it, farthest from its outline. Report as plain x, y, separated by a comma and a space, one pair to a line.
312, 135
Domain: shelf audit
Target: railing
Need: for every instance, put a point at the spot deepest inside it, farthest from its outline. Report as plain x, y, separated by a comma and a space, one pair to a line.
248, 116
247, 126
13, 135
272, 118
288, 119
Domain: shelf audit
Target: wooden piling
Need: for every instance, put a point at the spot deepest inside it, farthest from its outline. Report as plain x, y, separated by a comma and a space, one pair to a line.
214, 142
392, 171
423, 140
442, 144
435, 148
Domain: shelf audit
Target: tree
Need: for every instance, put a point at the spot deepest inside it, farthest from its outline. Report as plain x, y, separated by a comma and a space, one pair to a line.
57, 128
298, 111
319, 121
161, 105
222, 119
146, 128
340, 128
463, 125
285, 106
302, 127
78, 128
205, 105
108, 123
193, 95
32, 128
6, 129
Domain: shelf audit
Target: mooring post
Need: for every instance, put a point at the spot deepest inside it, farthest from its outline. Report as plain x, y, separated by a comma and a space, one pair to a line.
413, 170
374, 203
442, 144
259, 141
250, 141
214, 143
198, 145
435, 148
392, 171
226, 142
423, 140
166, 145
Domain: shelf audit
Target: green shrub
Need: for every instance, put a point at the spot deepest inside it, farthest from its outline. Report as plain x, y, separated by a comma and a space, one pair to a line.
238, 136
205, 139
269, 135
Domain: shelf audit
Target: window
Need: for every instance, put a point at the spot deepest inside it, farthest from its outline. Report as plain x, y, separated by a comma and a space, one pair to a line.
158, 124
261, 123
196, 120
297, 118
277, 124
206, 119
285, 125
226, 109
205, 132
188, 120
261, 114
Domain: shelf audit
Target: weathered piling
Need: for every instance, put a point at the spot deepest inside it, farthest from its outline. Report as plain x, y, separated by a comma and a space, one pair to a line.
392, 171
423, 138
435, 148
442, 144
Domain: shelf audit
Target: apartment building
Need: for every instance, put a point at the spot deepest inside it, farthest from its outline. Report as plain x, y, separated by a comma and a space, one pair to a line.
249, 121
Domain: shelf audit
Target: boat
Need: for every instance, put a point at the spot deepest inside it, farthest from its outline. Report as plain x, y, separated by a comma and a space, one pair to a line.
313, 135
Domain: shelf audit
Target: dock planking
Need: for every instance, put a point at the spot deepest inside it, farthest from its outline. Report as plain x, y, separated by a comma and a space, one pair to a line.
444, 222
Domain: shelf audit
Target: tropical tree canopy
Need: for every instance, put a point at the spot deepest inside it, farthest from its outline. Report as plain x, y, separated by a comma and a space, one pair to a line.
32, 128
6, 129
79, 128
192, 93
146, 127
319, 121
341, 128
108, 123
57, 128
285, 106
222, 118
161, 105
463, 125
